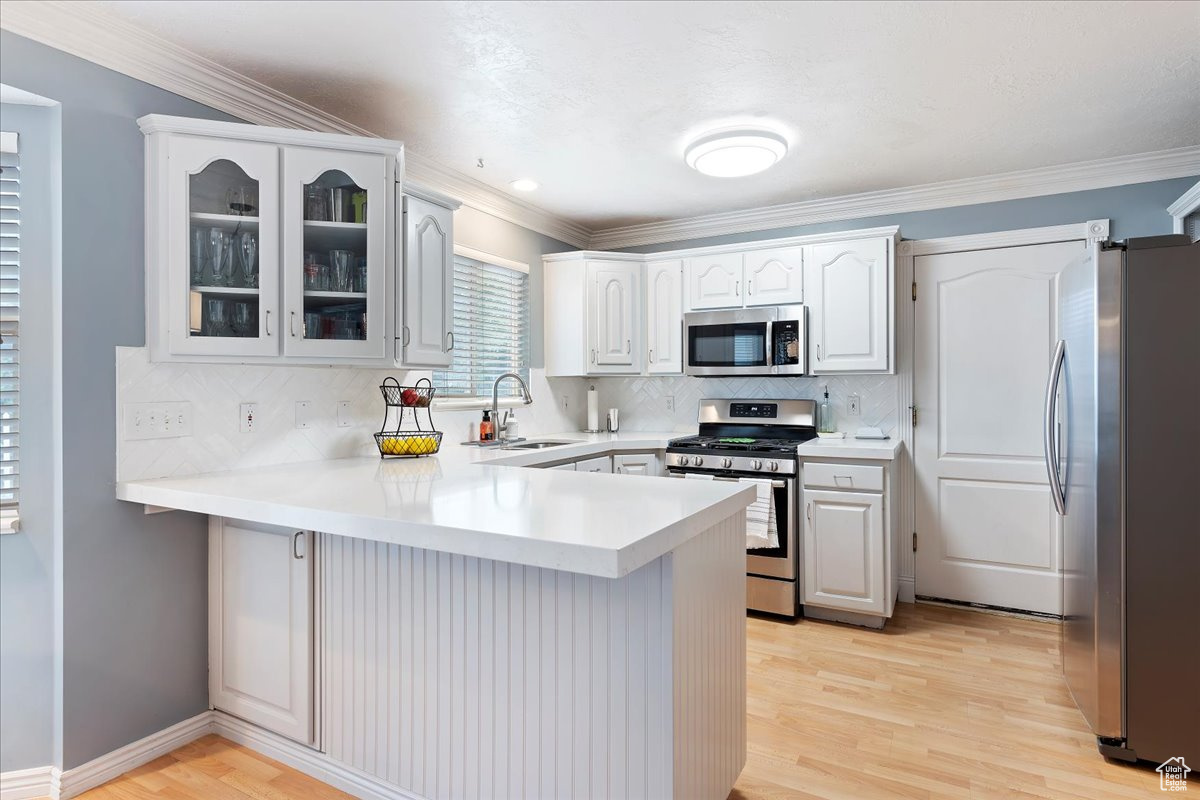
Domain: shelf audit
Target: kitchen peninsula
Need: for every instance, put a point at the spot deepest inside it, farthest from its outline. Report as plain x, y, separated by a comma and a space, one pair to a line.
446, 626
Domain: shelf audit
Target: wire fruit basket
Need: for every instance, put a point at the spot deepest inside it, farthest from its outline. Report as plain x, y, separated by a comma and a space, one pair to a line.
407, 438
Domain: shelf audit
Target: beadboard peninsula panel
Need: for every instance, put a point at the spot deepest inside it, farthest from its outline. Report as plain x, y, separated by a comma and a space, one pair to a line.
457, 677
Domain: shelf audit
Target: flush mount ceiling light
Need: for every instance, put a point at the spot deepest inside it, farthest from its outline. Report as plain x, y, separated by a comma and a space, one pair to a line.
734, 153
524, 184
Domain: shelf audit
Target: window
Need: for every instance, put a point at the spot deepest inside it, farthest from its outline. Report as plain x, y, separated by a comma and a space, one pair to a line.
491, 329
10, 303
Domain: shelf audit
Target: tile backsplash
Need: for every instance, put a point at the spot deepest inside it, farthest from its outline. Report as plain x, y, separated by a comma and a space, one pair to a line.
643, 400
217, 390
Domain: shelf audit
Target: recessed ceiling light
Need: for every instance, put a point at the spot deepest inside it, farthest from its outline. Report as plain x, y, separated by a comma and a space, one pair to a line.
524, 184
734, 153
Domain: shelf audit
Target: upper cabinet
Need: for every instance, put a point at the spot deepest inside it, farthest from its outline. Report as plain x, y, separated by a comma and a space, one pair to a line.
664, 317
613, 312
774, 277
850, 298
271, 245
335, 253
715, 281
427, 328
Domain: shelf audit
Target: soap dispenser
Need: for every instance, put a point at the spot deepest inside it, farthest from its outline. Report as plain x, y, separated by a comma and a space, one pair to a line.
825, 415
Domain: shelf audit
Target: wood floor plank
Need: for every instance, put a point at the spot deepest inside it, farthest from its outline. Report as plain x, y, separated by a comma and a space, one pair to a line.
943, 704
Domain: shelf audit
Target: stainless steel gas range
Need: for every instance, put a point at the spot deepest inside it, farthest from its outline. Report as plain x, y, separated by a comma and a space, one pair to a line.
755, 441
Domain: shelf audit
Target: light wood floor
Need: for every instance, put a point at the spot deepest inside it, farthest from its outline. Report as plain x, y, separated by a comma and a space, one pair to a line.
944, 703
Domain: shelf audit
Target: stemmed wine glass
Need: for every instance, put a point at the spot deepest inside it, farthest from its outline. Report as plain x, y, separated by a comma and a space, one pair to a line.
219, 256
241, 319
248, 251
200, 240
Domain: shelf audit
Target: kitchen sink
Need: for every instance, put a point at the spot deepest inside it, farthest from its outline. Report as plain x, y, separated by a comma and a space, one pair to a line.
536, 445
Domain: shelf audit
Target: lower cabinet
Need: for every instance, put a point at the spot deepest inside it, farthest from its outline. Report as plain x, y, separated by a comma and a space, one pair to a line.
261, 625
570, 466
601, 464
636, 464
844, 551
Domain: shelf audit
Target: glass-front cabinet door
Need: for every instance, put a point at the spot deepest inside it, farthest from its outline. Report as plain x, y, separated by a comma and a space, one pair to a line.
335, 211
223, 207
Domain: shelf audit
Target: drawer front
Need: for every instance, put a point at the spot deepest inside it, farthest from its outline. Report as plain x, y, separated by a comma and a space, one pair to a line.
855, 477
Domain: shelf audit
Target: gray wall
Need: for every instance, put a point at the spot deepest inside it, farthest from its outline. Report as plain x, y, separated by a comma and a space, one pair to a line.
1139, 209
28, 590
133, 587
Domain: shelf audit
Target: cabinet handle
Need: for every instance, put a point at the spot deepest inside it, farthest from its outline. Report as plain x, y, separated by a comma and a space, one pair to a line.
651, 354
450, 341
749, 287
268, 322
296, 554
404, 338
628, 346
292, 323
593, 355
810, 513
818, 352
737, 288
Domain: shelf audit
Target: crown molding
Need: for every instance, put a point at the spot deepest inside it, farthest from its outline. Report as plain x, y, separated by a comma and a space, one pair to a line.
1080, 176
84, 31
1184, 206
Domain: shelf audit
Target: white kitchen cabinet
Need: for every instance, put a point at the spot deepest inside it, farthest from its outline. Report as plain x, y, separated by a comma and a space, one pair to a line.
260, 625
715, 281
636, 464
614, 313
569, 467
601, 464
335, 230
269, 245
427, 295
664, 317
850, 298
844, 564
774, 277
206, 304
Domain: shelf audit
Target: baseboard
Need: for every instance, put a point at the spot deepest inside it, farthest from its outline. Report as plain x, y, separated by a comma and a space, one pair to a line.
906, 590
26, 784
103, 769
311, 762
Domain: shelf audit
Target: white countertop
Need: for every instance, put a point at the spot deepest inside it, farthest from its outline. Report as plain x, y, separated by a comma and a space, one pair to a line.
464, 501
851, 448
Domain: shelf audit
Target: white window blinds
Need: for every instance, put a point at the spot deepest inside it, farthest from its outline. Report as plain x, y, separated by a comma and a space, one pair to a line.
491, 330
10, 304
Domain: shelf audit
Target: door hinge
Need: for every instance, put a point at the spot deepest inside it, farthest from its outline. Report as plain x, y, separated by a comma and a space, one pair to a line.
914, 415
914, 541
914, 288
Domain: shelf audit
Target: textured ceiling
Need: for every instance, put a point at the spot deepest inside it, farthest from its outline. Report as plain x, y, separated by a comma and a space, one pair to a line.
595, 100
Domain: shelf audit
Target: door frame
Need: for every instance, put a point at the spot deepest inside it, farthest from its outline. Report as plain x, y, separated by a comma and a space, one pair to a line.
1092, 231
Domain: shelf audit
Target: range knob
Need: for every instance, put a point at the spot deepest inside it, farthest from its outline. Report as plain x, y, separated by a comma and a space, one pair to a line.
697, 461
683, 461
756, 464
773, 466
726, 463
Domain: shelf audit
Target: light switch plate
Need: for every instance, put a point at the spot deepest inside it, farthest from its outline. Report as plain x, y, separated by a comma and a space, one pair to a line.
344, 416
304, 414
156, 420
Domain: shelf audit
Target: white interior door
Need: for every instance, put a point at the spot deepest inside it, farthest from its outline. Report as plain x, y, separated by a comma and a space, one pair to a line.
985, 330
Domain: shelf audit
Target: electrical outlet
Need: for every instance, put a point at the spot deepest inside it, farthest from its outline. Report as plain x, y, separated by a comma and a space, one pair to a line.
248, 420
853, 405
344, 416
157, 420
670, 401
304, 414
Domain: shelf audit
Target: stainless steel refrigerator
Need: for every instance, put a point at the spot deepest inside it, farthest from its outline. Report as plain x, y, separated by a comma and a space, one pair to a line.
1122, 447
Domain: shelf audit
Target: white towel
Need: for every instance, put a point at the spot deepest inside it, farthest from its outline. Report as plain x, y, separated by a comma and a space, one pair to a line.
694, 477
761, 530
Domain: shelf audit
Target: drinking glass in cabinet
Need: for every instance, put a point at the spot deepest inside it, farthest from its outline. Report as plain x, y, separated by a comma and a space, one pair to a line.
339, 270
220, 257
215, 323
360, 275
242, 201
248, 258
312, 325
243, 320
199, 254
315, 206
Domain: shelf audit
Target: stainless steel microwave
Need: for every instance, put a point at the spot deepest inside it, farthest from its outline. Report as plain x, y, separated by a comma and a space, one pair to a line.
746, 341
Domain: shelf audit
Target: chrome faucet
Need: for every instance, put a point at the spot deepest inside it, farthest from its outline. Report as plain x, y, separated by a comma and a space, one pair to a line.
496, 426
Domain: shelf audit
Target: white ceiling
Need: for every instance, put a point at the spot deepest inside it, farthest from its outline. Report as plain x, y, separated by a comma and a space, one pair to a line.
596, 100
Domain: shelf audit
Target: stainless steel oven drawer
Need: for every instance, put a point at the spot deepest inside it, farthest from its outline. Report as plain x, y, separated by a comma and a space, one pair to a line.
772, 597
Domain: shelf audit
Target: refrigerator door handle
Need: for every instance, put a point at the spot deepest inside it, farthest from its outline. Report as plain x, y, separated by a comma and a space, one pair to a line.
1050, 432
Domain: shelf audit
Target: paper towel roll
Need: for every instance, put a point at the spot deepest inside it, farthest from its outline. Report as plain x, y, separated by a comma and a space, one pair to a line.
593, 420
